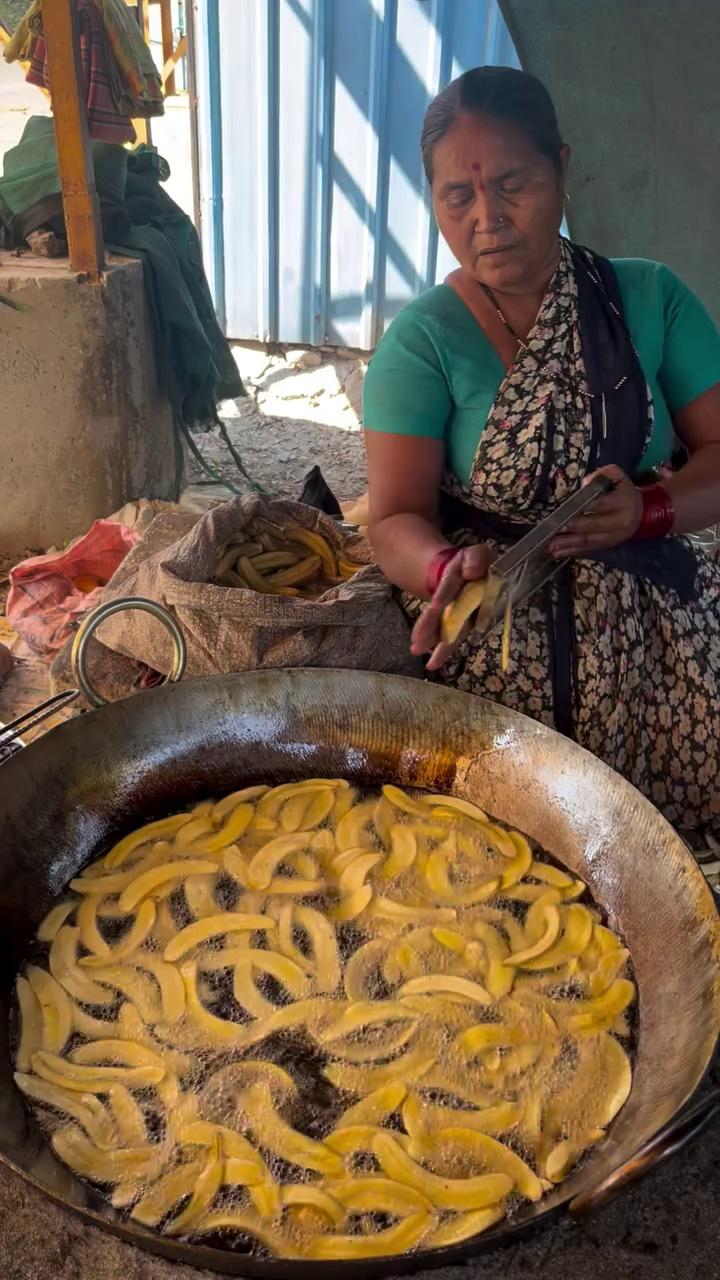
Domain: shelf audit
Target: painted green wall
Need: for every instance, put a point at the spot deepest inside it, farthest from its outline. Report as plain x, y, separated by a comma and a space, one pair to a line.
636, 84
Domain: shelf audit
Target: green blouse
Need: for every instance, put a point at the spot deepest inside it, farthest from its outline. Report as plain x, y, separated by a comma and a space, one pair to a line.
435, 374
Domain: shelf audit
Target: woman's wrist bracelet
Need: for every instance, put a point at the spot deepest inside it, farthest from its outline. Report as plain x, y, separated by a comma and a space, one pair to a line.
437, 567
658, 514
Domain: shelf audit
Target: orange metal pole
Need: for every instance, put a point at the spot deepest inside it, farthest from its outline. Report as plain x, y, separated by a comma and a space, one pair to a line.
67, 84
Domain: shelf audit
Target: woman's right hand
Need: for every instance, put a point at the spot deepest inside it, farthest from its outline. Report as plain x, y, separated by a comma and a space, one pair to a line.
469, 565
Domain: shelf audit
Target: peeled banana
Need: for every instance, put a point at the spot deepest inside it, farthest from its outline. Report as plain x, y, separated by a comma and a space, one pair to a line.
291, 561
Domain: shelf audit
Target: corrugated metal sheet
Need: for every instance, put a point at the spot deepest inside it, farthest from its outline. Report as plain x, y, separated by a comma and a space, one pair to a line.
316, 222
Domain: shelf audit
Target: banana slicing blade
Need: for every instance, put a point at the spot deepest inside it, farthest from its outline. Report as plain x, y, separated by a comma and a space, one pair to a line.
519, 572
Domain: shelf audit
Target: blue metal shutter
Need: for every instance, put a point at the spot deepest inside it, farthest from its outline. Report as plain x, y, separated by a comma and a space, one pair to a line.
316, 221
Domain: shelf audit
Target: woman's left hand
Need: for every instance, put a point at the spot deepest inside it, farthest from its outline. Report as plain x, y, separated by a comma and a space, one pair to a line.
612, 520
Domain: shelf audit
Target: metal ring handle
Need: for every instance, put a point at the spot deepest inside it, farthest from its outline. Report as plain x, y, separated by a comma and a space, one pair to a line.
90, 624
672, 1138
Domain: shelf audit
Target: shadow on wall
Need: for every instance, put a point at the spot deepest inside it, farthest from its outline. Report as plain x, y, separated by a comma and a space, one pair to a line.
340, 235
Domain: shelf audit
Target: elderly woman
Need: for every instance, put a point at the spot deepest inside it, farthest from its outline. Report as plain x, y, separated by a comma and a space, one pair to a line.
495, 395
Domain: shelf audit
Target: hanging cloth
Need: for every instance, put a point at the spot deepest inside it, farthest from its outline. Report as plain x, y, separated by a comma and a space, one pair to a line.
137, 87
117, 64
106, 123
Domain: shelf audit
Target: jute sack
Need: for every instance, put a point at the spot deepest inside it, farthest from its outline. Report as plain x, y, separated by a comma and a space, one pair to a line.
357, 624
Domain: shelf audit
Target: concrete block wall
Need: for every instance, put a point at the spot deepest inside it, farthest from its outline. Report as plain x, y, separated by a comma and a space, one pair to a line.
84, 426
637, 91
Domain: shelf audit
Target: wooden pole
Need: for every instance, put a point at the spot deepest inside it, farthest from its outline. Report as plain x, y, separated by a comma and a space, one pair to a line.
77, 175
168, 44
144, 19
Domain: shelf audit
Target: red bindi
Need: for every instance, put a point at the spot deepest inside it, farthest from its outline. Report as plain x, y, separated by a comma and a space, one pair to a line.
476, 166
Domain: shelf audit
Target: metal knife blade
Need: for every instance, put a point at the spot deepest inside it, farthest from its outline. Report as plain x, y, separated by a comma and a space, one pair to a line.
520, 571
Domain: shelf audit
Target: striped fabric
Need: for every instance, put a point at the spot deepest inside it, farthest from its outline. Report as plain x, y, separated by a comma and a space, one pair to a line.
106, 122
139, 91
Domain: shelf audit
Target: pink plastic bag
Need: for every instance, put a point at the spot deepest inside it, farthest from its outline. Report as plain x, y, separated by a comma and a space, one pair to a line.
47, 593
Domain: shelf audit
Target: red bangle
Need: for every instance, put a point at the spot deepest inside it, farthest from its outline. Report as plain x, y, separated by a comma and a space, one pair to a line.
437, 566
658, 514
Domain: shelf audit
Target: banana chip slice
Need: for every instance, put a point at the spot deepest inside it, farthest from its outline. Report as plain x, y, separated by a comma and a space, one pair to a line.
225, 922
375, 1195
31, 1025
367, 1013
323, 944
281, 1139
495, 1156
284, 913
353, 827
84, 1108
130, 1026
167, 1192
233, 827
375, 1107
54, 920
466, 1225
134, 938
593, 1013
64, 968
457, 805
247, 795
248, 1226
394, 1240
264, 864
128, 1117
214, 1032
403, 850
152, 832
89, 1161
395, 910
353, 905
543, 944
577, 928
55, 1008
364, 1080
460, 1194
405, 803
82, 1079
519, 863
209, 1182
158, 877
293, 1196
447, 984
87, 921
494, 1120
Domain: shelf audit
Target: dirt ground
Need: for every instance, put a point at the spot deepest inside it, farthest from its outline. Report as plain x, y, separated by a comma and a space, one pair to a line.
302, 409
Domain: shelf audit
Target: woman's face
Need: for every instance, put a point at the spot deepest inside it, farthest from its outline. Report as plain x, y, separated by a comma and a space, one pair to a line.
498, 203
